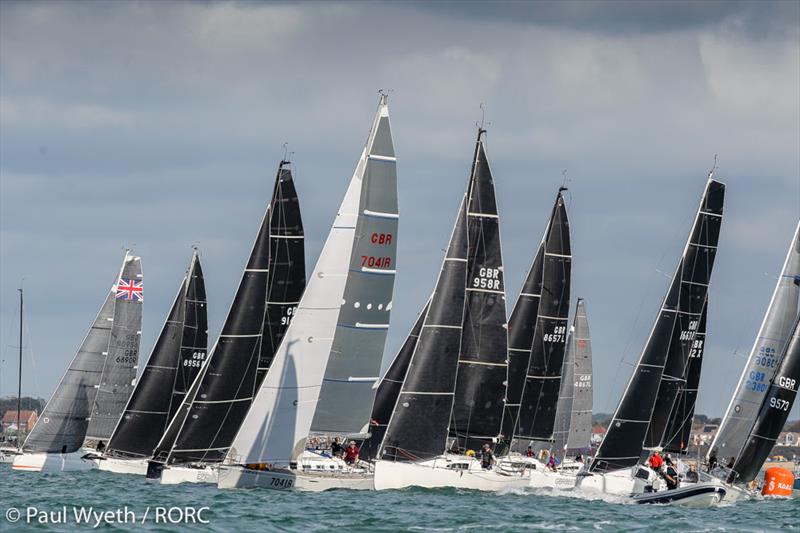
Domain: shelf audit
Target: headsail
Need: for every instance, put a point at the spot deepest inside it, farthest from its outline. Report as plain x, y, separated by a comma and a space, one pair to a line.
418, 427
218, 401
63, 424
683, 303
764, 357
565, 397
482, 364
343, 314
177, 357
772, 415
538, 334
389, 390
676, 438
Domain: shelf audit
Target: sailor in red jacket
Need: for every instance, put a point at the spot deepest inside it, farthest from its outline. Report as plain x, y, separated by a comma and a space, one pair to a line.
655, 461
351, 453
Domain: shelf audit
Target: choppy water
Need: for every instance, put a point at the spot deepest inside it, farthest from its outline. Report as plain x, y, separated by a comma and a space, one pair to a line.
407, 510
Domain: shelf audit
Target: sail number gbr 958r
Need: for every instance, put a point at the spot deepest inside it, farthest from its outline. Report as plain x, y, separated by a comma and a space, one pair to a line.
487, 278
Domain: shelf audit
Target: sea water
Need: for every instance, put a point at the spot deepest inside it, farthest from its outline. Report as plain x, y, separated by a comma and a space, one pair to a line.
94, 499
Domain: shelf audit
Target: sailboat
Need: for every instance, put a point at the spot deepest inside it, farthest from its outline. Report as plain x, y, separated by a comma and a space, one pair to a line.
452, 395
92, 393
642, 416
332, 349
742, 433
772, 338
7, 453
177, 358
537, 338
199, 435
573, 422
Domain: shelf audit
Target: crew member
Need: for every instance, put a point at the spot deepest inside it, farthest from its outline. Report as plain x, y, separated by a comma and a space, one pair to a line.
529, 452
351, 453
336, 448
487, 457
691, 475
656, 461
670, 475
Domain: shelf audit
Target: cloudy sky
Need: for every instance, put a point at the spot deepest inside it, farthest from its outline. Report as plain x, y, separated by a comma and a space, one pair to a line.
159, 125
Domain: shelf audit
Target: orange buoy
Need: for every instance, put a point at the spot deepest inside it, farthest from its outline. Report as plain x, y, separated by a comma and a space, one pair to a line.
778, 482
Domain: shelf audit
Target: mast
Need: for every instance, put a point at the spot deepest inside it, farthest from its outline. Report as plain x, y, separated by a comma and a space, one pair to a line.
675, 324
772, 414
418, 428
773, 335
19, 378
537, 336
483, 356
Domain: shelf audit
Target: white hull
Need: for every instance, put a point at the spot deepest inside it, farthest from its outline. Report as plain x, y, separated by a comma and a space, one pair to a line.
237, 477
7, 455
52, 462
122, 466
445, 472
174, 475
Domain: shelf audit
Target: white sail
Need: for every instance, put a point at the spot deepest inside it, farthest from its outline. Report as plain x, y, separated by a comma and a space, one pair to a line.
280, 418
764, 357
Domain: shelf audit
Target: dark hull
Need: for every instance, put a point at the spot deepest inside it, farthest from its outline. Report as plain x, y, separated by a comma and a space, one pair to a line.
699, 495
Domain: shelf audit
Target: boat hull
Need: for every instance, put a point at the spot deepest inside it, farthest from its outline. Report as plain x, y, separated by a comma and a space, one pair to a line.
436, 474
175, 475
237, 477
52, 462
696, 495
122, 466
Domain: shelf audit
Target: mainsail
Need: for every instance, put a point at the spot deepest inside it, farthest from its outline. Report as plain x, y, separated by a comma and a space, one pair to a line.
115, 333
339, 329
218, 401
482, 364
772, 415
537, 336
177, 357
389, 390
764, 357
573, 423
672, 333
418, 427
676, 438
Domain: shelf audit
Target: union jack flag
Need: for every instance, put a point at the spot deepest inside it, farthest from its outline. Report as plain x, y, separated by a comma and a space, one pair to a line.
130, 289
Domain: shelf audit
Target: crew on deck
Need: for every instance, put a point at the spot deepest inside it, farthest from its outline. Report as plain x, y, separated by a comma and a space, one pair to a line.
351, 453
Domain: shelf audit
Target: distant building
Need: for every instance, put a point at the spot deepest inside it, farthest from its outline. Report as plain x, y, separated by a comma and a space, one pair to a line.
788, 438
27, 419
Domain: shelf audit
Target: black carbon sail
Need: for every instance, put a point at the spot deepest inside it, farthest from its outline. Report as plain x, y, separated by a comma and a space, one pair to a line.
418, 426
682, 416
537, 412
389, 390
218, 401
482, 364
177, 357
63, 424
772, 415
676, 324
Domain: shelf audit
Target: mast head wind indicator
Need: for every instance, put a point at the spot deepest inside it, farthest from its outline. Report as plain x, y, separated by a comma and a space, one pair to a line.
711, 172
384, 94
286, 155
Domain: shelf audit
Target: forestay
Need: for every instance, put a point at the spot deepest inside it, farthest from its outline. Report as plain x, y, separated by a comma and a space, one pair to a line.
63, 425
764, 357
342, 317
